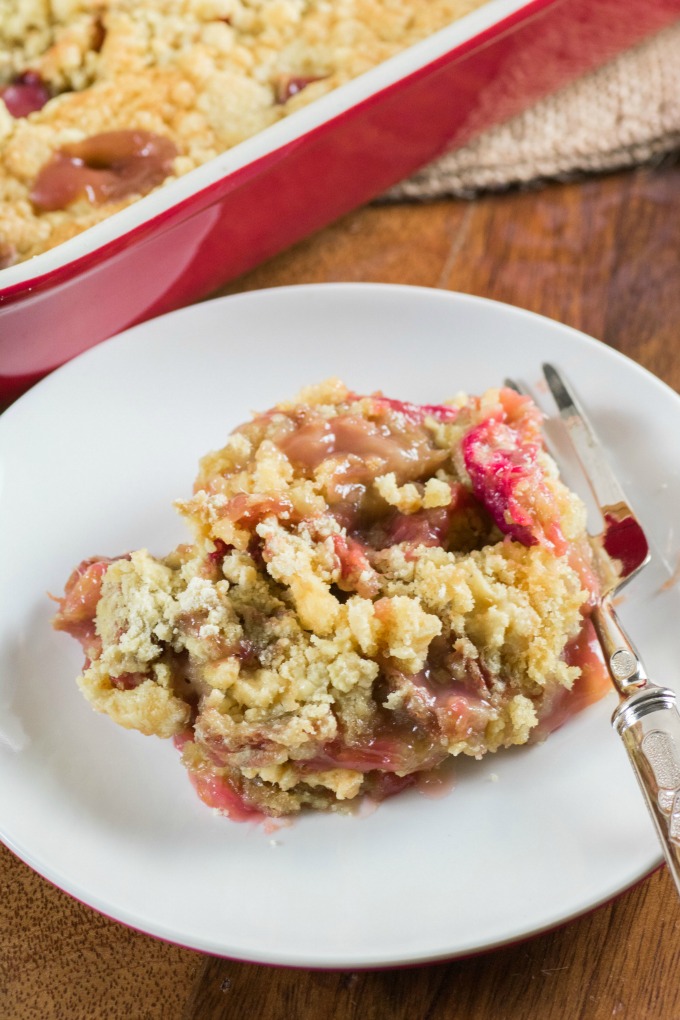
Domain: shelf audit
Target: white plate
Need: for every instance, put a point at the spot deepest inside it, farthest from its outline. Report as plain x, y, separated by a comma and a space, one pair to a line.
90, 461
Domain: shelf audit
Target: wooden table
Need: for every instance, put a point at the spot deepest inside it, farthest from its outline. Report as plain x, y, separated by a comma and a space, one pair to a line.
603, 256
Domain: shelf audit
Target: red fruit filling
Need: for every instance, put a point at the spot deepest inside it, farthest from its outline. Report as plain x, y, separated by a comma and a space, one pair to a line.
221, 550
430, 527
386, 752
247, 510
128, 681
501, 458
104, 168
26, 94
8, 254
406, 451
288, 86
416, 413
593, 683
356, 572
381, 785
217, 792
624, 540
354, 451
78, 606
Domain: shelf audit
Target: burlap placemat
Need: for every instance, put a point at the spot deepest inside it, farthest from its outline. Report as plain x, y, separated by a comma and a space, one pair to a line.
625, 113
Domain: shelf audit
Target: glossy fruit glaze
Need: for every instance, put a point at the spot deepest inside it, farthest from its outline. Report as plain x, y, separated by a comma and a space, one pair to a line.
224, 229
103, 168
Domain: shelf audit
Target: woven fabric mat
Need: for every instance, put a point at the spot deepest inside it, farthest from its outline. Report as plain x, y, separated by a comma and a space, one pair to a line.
625, 113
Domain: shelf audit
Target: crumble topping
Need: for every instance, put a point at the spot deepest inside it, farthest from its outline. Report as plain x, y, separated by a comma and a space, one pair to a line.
194, 77
372, 587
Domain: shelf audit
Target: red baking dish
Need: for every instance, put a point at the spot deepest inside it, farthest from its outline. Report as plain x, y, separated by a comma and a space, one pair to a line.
187, 238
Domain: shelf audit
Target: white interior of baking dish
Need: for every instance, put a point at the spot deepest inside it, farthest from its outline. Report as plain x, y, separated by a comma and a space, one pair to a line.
266, 141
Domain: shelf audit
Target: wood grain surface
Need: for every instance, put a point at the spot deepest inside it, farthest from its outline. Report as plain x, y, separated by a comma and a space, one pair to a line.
602, 255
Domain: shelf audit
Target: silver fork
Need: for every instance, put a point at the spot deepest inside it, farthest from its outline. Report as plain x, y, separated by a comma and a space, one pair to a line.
647, 717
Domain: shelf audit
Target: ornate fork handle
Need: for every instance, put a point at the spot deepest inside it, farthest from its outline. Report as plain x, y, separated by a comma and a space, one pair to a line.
647, 718
648, 723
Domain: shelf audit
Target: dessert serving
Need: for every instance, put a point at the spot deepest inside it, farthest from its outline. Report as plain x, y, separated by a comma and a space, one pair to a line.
373, 587
101, 101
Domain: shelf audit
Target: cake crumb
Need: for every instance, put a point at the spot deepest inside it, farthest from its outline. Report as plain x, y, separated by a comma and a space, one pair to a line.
374, 615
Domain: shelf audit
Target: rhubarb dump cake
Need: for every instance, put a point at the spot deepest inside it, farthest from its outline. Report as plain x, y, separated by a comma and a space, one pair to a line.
372, 587
104, 100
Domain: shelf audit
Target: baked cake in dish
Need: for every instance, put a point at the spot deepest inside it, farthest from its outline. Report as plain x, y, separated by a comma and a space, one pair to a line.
101, 101
372, 587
